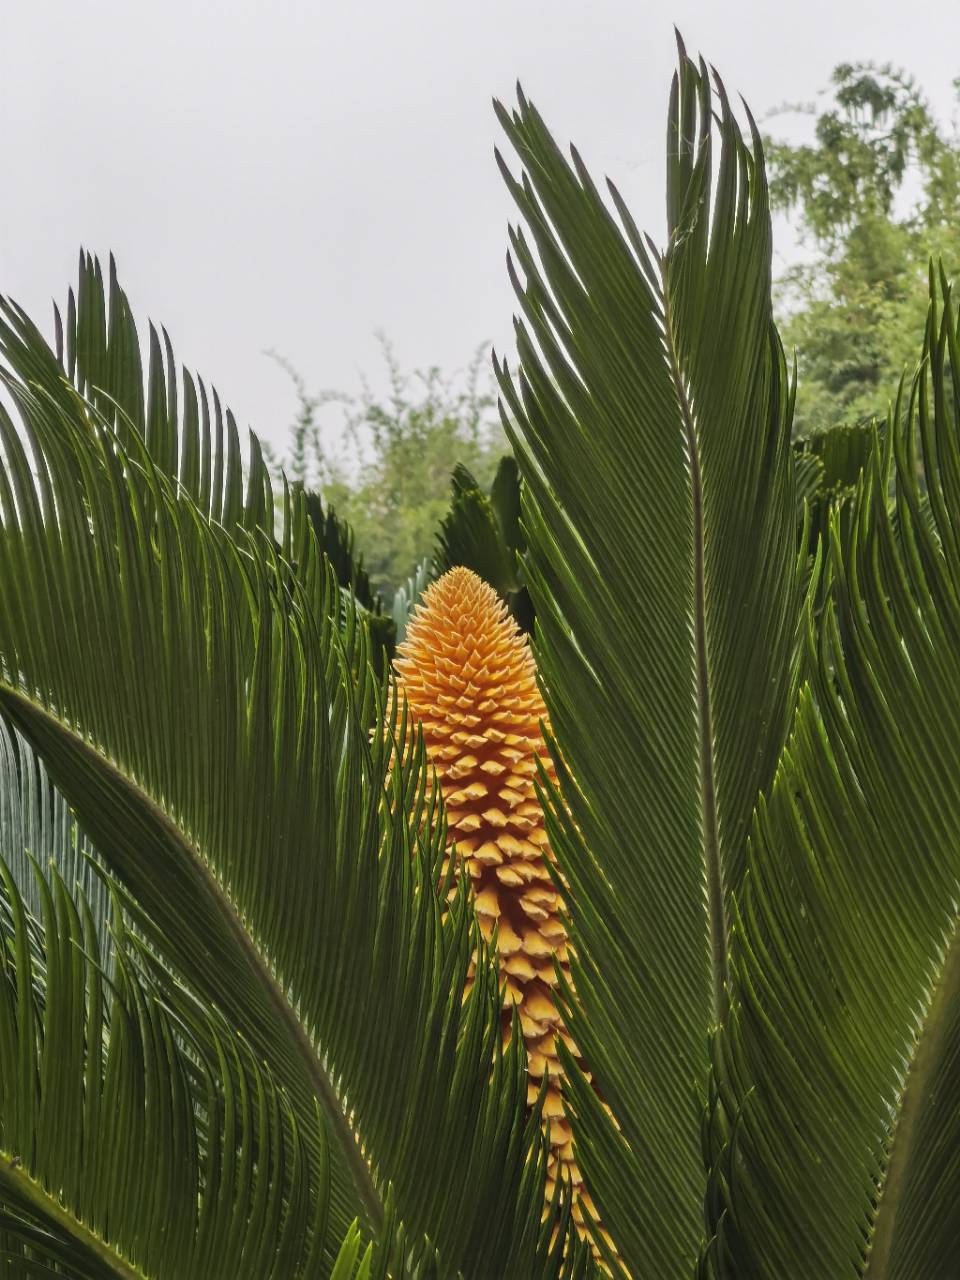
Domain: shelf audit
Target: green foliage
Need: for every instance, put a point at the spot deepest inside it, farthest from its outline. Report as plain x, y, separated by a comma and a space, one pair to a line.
484, 534
829, 465
408, 594
37, 830
205, 708
736, 885
850, 1076
336, 541
251, 1054
393, 490
107, 1166
875, 193
665, 575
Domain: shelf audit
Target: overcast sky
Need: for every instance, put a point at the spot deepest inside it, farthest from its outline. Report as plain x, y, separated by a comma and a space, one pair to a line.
297, 174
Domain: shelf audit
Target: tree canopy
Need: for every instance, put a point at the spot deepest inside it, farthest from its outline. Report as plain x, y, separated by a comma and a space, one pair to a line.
875, 194
391, 478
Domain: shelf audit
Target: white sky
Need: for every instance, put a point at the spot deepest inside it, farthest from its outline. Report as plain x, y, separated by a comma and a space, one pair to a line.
297, 174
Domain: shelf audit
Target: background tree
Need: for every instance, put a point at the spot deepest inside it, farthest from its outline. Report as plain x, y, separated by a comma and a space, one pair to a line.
875, 194
392, 482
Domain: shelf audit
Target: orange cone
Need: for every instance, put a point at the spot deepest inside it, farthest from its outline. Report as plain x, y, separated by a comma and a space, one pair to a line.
469, 678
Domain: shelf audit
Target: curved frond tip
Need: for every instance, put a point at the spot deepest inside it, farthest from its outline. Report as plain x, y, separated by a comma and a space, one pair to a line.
651, 420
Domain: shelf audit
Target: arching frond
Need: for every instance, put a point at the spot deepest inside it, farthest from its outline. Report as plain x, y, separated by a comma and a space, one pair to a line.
200, 709
839, 1070
37, 829
482, 533
651, 422
120, 1156
191, 436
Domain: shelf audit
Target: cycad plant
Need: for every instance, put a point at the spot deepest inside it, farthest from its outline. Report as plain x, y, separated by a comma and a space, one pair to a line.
469, 680
241, 1045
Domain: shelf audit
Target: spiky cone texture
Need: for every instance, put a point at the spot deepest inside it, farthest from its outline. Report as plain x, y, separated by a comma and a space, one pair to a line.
469, 679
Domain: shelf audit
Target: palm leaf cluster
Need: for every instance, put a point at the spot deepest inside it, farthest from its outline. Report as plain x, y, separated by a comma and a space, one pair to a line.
212, 736
138, 1154
234, 944
483, 532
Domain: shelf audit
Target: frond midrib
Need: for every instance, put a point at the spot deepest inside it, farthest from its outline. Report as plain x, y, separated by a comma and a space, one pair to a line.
26, 1190
903, 1146
710, 831
280, 1005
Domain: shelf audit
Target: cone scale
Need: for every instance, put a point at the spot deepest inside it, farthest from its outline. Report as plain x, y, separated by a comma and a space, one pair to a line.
470, 680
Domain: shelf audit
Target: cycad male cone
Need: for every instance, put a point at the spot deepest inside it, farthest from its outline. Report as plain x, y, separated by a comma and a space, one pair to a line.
470, 680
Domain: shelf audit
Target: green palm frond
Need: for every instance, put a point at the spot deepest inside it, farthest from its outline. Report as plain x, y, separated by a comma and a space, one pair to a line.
652, 429
124, 1153
505, 498
470, 535
336, 541
37, 829
843, 451
841, 1063
809, 472
482, 532
190, 436
828, 466
199, 707
407, 597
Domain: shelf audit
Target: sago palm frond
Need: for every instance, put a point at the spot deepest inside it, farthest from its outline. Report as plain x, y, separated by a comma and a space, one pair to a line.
337, 542
38, 831
191, 436
651, 421
125, 1155
483, 533
839, 1069
201, 711
408, 595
